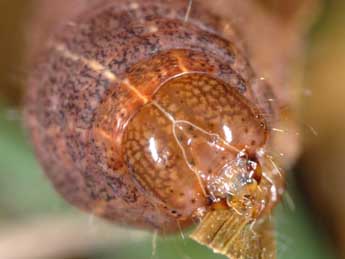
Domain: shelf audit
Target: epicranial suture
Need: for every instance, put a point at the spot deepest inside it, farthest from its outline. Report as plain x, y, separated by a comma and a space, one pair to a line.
145, 116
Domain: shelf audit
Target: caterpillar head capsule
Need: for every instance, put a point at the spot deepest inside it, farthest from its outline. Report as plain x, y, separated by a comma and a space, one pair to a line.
179, 146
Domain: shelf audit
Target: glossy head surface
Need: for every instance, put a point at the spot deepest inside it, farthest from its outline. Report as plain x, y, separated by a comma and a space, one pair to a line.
194, 126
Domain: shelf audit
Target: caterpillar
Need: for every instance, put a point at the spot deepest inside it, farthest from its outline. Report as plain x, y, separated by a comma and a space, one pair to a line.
154, 114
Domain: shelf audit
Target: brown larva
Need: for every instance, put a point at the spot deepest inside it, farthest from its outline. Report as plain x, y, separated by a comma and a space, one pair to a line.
146, 116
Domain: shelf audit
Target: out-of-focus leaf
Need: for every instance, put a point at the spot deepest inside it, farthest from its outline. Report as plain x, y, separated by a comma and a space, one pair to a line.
24, 190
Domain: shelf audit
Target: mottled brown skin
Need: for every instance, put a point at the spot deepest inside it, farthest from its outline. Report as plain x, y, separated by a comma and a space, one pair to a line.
100, 72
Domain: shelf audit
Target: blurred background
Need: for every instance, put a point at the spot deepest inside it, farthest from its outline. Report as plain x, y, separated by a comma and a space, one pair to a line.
36, 223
